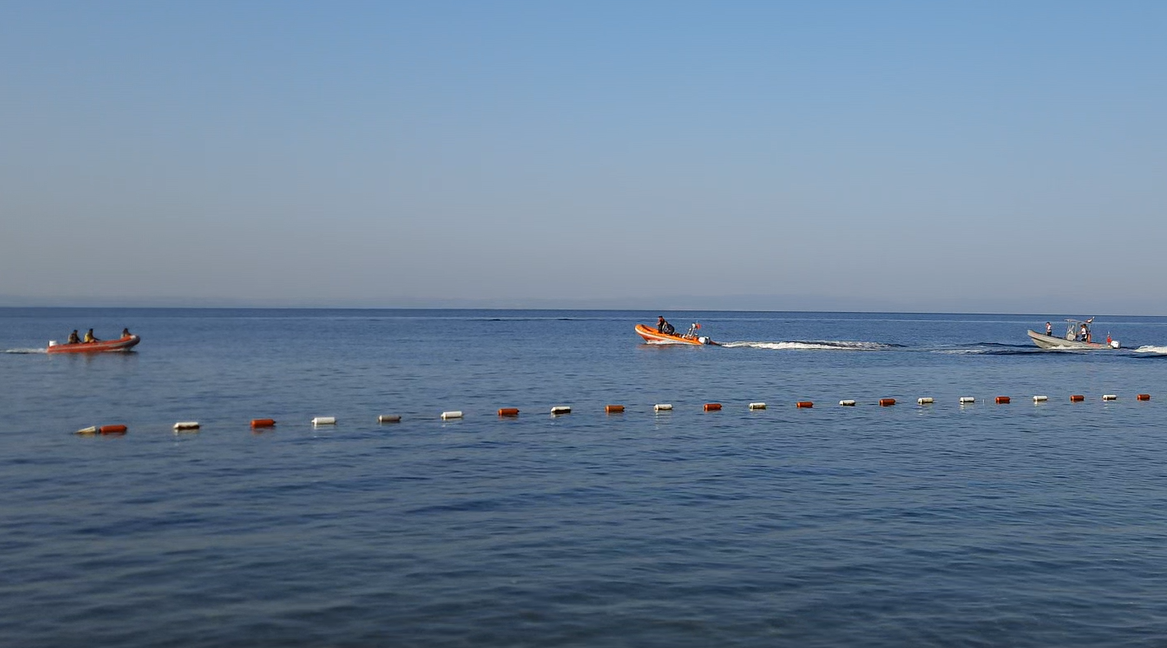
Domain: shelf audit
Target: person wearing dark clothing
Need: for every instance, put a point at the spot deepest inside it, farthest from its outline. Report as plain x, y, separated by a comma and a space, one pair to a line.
125, 332
664, 327
74, 338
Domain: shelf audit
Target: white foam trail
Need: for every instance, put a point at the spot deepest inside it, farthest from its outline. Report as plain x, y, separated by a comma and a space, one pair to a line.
24, 351
823, 345
1147, 348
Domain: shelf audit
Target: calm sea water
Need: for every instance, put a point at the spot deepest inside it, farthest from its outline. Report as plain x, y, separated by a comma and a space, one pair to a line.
1017, 525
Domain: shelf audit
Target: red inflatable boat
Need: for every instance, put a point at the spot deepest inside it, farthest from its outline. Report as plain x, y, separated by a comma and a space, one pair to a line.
652, 336
122, 344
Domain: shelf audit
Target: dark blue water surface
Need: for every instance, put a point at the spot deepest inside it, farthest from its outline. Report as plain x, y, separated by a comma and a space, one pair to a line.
1016, 525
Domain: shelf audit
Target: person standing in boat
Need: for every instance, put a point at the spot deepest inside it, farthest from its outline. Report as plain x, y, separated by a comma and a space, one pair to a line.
1084, 333
664, 327
74, 338
1049, 329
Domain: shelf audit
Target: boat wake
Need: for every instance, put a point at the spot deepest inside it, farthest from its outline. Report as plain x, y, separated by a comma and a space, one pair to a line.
817, 345
989, 348
1147, 348
41, 350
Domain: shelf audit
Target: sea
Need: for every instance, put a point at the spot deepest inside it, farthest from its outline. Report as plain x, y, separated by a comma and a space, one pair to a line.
945, 524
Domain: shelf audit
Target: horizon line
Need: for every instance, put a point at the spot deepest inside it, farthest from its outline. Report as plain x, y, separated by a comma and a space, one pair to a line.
546, 308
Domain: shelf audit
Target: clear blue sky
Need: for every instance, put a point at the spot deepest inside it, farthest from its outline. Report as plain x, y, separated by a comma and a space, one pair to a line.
979, 156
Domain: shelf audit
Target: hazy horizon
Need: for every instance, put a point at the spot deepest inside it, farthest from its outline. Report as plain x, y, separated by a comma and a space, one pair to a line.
845, 156
696, 304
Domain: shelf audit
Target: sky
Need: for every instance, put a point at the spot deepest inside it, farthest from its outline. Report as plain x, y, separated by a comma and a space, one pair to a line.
851, 156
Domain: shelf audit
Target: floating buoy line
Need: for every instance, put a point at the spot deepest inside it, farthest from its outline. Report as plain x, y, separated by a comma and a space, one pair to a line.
118, 429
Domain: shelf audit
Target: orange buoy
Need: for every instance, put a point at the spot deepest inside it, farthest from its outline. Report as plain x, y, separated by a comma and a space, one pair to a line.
508, 411
1077, 398
712, 407
887, 402
112, 429
613, 409
1002, 400
804, 404
262, 423
1143, 397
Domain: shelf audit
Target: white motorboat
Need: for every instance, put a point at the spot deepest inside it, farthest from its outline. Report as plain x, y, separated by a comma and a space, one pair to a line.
1077, 337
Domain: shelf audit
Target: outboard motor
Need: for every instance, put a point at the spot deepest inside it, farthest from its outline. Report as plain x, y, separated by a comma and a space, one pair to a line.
705, 340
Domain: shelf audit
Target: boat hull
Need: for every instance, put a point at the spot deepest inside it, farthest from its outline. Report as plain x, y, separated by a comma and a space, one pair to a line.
102, 346
651, 336
1051, 342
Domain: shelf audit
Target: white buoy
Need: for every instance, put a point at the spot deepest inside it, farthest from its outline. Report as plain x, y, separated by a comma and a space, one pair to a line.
662, 407
389, 418
927, 400
847, 403
324, 420
966, 400
560, 409
455, 414
757, 406
186, 425
1109, 397
1040, 399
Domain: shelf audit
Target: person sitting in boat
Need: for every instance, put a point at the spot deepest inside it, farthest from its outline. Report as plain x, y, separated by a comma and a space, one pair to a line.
89, 337
125, 332
74, 338
693, 328
664, 327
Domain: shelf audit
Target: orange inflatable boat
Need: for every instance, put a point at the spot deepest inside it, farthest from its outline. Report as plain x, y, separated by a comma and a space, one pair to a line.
122, 344
651, 336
